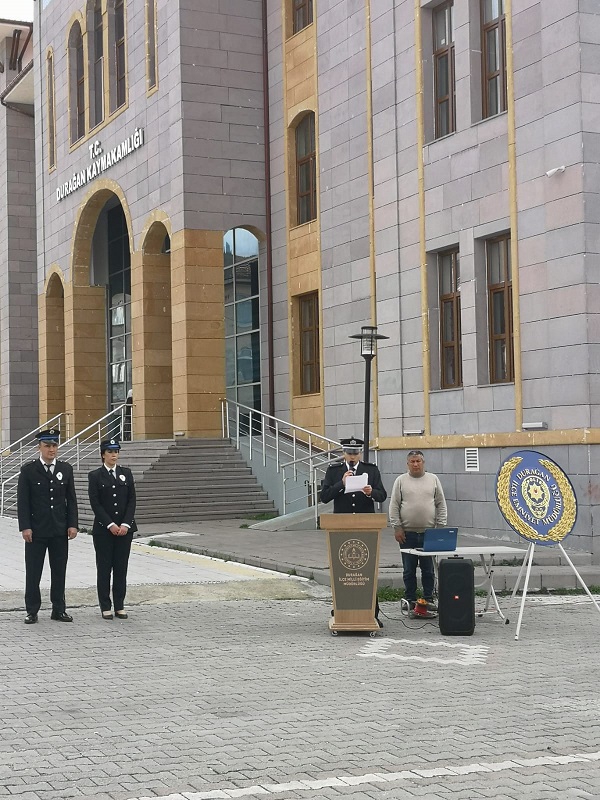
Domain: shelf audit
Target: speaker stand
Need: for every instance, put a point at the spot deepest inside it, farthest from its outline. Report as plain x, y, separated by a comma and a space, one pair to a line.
527, 562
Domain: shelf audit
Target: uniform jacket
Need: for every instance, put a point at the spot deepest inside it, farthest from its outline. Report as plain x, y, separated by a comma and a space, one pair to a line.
112, 501
355, 502
46, 504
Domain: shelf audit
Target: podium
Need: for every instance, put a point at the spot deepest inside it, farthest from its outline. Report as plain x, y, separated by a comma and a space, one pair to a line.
353, 545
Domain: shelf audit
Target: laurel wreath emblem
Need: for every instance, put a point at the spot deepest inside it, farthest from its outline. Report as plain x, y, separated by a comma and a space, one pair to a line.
563, 527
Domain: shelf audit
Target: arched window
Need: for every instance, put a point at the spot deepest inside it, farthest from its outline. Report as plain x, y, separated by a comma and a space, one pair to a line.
76, 83
96, 62
51, 116
151, 59
120, 83
306, 170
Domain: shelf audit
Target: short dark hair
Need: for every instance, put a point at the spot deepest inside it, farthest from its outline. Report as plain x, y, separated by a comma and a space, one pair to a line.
415, 453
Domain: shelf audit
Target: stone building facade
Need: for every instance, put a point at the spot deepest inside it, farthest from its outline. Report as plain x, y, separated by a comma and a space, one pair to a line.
18, 295
432, 169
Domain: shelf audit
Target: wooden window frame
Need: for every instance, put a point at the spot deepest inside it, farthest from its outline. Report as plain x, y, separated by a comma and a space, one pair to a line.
499, 24
120, 55
77, 107
450, 302
503, 288
307, 162
151, 46
302, 14
51, 111
310, 357
439, 54
97, 65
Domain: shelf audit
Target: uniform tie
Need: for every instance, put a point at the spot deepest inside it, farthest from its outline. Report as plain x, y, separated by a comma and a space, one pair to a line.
49, 468
112, 473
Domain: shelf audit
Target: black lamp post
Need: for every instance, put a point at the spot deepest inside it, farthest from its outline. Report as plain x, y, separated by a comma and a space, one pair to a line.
368, 349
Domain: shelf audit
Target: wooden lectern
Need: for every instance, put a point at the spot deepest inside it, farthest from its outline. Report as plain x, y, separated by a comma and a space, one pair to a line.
353, 544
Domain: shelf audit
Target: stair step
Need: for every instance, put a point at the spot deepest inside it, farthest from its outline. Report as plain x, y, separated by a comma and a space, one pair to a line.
189, 479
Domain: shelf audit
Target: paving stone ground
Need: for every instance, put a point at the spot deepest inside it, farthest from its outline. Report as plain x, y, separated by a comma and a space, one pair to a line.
200, 697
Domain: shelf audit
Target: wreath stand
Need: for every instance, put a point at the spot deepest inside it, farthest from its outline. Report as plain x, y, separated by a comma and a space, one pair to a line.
527, 562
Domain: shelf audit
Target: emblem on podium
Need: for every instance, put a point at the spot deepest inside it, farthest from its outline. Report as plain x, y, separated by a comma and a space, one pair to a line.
354, 554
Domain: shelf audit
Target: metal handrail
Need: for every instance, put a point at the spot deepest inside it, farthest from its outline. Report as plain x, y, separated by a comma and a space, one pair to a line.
82, 444
264, 416
277, 438
20, 450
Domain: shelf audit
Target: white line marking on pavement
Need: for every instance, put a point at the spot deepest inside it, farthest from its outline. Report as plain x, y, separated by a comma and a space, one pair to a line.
380, 777
463, 654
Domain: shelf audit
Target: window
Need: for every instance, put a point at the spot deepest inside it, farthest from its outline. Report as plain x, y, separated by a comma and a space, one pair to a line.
242, 319
493, 37
97, 66
450, 341
151, 43
303, 14
310, 378
499, 284
120, 86
443, 61
306, 170
76, 84
119, 307
51, 117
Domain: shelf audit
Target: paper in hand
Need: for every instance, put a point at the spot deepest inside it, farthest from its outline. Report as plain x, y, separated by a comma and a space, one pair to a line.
356, 483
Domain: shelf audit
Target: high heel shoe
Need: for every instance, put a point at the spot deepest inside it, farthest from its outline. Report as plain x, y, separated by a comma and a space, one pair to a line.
107, 615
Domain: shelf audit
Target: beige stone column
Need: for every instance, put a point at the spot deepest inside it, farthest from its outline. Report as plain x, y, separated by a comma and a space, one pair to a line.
85, 354
51, 317
198, 332
151, 345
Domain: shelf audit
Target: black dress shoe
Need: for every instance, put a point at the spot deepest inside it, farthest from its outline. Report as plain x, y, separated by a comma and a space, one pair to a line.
107, 615
121, 614
61, 616
30, 619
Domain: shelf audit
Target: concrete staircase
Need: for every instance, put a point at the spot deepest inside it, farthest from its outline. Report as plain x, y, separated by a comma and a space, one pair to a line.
181, 480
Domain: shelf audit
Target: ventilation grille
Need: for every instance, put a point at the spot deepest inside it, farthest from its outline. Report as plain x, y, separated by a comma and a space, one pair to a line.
471, 459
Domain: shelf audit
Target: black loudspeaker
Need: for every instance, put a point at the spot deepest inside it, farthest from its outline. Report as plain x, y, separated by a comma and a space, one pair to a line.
456, 597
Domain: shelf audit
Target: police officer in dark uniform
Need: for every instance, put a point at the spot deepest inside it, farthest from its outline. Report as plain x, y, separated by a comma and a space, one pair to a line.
47, 511
334, 483
363, 502
112, 498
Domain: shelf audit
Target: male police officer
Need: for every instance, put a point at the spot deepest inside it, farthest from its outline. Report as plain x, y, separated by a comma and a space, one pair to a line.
334, 483
362, 502
47, 511
112, 498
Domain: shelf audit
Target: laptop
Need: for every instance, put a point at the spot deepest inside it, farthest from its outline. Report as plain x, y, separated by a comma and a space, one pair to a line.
439, 539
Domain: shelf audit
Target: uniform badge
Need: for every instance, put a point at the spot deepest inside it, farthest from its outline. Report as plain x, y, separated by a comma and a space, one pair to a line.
59, 476
122, 477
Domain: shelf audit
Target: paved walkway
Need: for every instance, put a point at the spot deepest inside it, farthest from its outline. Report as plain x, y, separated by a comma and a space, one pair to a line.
304, 553
225, 683
154, 574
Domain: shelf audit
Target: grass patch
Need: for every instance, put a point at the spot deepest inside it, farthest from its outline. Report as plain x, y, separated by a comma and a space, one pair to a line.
263, 516
390, 595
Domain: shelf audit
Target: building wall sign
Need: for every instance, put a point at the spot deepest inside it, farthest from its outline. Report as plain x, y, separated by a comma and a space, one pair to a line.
100, 162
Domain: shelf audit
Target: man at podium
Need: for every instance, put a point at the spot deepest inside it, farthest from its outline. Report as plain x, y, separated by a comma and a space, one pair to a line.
333, 488
346, 501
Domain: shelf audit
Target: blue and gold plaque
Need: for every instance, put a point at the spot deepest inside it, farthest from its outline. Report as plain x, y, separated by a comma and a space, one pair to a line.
536, 498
